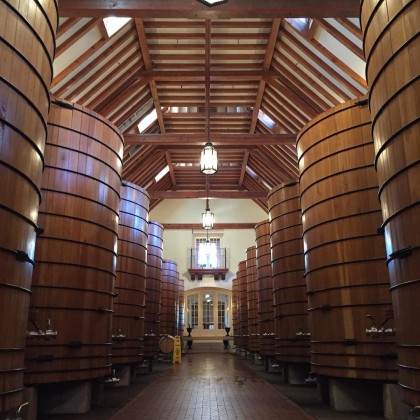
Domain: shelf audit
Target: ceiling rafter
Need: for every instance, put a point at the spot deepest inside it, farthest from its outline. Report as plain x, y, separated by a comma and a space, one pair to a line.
75, 37
332, 58
342, 38
149, 66
271, 45
82, 73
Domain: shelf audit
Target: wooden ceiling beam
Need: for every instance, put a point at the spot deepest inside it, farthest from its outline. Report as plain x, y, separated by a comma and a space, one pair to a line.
250, 195
194, 139
197, 226
271, 45
193, 9
141, 33
171, 169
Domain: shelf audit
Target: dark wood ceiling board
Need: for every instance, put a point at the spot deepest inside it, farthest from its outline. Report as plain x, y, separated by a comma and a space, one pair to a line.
195, 10
111, 83
133, 105
272, 106
107, 55
310, 76
274, 113
299, 86
304, 104
148, 170
263, 163
126, 96
289, 30
357, 51
285, 110
92, 23
279, 155
129, 161
134, 165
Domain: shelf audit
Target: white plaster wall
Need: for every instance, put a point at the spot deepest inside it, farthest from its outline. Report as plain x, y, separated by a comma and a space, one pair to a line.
176, 242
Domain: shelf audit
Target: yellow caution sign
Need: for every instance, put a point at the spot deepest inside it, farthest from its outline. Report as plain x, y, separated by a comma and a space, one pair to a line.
177, 350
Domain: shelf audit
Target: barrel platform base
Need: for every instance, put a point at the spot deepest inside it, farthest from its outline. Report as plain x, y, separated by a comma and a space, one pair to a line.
65, 398
394, 408
297, 373
356, 395
123, 373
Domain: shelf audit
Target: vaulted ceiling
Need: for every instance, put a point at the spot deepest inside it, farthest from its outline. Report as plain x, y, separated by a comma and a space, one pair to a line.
247, 75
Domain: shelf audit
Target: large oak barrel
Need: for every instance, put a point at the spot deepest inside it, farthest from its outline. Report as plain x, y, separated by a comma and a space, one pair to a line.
252, 297
235, 311
153, 290
392, 50
289, 284
27, 45
265, 289
344, 252
73, 279
242, 306
181, 306
169, 298
130, 283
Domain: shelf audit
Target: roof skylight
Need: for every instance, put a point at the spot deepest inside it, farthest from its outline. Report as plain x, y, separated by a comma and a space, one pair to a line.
114, 24
146, 122
162, 173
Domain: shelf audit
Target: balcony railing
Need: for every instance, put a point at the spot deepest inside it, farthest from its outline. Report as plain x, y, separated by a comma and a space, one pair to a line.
208, 260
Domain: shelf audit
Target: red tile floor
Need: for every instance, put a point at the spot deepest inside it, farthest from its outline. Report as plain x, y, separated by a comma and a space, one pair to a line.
207, 386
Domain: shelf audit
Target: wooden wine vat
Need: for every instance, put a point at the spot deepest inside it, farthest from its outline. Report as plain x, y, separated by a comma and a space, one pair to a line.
344, 252
288, 265
181, 305
235, 311
242, 306
153, 290
73, 279
130, 282
27, 45
392, 50
169, 298
252, 297
265, 289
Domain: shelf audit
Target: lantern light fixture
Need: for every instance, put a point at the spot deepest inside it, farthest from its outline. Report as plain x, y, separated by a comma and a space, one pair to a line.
207, 217
208, 160
212, 3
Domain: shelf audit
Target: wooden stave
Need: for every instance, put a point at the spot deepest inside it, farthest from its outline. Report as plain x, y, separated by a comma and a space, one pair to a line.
242, 305
312, 210
130, 282
169, 298
105, 219
265, 289
235, 313
252, 297
22, 132
153, 290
